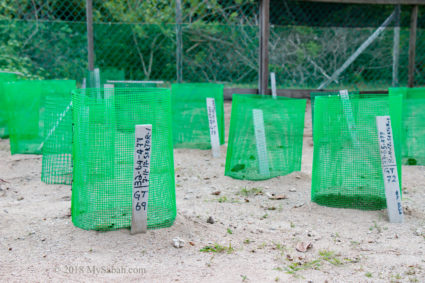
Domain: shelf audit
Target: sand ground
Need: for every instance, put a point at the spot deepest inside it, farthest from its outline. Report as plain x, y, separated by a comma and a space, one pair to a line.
39, 243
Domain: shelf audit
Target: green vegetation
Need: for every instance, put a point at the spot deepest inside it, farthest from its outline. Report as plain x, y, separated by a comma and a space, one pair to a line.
217, 248
250, 192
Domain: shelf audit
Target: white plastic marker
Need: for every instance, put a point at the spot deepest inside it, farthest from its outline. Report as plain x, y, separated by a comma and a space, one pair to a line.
260, 138
389, 169
212, 121
108, 90
273, 83
348, 112
142, 158
84, 83
96, 74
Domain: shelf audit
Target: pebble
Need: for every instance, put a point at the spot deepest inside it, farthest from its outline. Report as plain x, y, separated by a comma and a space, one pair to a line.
293, 190
418, 232
178, 243
210, 220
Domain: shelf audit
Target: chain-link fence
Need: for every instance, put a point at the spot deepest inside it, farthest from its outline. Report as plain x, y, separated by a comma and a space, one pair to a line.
309, 45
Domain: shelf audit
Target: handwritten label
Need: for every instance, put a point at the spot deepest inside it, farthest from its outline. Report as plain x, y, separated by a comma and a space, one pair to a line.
389, 169
260, 138
348, 112
273, 83
212, 121
142, 157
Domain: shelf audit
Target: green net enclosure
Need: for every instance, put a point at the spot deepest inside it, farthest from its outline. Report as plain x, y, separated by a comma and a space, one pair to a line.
265, 138
190, 116
4, 77
413, 133
26, 103
103, 153
346, 160
57, 147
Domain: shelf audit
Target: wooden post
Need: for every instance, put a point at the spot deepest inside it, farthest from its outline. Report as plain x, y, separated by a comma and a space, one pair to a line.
412, 45
179, 42
396, 45
263, 74
90, 45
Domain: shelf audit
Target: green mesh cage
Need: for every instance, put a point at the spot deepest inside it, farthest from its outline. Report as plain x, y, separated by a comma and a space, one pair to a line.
283, 130
190, 117
4, 77
313, 96
347, 169
57, 147
103, 152
25, 101
413, 133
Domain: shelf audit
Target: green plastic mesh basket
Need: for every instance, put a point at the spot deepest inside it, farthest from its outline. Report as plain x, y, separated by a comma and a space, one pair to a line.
4, 77
313, 96
413, 133
190, 117
283, 120
103, 152
25, 101
346, 163
57, 148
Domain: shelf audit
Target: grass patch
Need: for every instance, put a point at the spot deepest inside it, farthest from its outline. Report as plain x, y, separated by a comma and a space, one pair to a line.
250, 192
217, 248
324, 256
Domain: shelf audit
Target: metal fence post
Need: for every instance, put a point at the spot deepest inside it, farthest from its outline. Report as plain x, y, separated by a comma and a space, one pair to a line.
412, 45
263, 74
90, 45
179, 42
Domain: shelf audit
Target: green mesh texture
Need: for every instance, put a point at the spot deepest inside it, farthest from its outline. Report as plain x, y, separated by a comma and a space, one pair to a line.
4, 77
283, 127
313, 96
103, 153
25, 101
57, 148
190, 117
413, 133
347, 169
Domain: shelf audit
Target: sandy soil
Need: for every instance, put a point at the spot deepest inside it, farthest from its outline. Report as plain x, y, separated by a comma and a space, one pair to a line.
39, 243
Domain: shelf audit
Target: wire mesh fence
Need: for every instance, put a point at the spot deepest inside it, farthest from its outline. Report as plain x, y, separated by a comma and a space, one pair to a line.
309, 45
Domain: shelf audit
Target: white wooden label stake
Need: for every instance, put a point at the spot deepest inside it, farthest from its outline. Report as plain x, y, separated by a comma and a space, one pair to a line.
260, 138
142, 158
212, 121
273, 83
96, 74
389, 169
108, 90
349, 116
